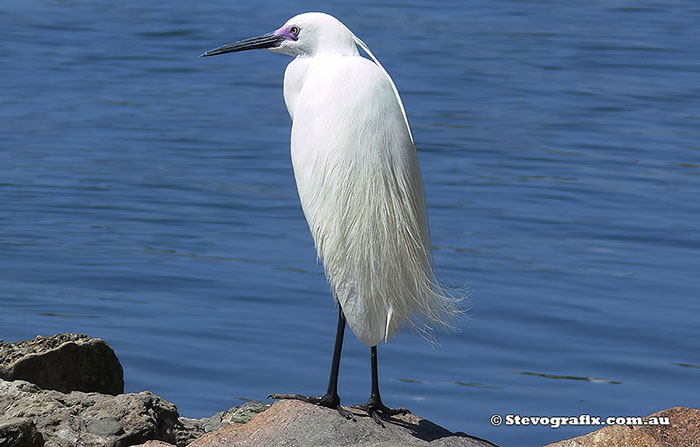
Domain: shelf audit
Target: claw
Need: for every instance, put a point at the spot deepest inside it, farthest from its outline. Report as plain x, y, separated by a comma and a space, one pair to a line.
377, 409
345, 413
377, 418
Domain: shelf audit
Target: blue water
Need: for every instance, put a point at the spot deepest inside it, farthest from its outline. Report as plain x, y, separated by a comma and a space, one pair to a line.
146, 197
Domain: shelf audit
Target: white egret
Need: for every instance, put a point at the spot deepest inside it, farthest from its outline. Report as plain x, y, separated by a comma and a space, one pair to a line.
361, 189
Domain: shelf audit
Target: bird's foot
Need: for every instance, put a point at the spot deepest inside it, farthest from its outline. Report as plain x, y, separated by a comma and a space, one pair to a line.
327, 400
375, 408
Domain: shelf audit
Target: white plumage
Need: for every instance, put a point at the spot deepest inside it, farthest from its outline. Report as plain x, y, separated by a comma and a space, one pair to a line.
360, 184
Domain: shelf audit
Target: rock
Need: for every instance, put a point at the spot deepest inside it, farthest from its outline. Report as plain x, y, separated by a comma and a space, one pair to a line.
63, 362
240, 414
154, 444
65, 391
19, 432
294, 423
684, 430
105, 427
92, 419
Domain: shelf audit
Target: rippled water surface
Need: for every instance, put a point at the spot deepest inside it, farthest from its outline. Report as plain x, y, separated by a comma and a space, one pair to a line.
146, 197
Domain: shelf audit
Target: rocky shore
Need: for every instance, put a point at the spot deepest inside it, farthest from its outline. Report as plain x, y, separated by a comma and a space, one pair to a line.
67, 390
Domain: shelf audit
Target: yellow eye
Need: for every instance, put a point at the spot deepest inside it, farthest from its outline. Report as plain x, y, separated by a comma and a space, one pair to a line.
294, 30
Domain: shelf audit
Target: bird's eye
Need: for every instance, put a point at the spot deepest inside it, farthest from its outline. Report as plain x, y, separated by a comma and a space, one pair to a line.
294, 30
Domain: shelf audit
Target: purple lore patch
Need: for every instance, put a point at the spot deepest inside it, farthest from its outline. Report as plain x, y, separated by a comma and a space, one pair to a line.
286, 32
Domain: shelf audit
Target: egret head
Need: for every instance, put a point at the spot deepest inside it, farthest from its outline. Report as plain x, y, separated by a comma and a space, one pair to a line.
307, 34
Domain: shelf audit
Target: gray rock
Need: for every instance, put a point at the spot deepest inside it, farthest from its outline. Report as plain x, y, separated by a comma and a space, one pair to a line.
63, 362
154, 444
105, 427
19, 432
235, 415
92, 419
58, 409
298, 424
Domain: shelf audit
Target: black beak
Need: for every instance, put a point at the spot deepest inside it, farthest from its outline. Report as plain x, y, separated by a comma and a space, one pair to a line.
254, 43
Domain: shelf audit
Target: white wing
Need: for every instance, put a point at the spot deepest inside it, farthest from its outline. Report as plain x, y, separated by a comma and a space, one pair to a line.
362, 193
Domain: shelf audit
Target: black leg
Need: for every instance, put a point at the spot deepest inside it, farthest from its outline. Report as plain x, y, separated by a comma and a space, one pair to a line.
374, 406
375, 373
331, 398
335, 365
